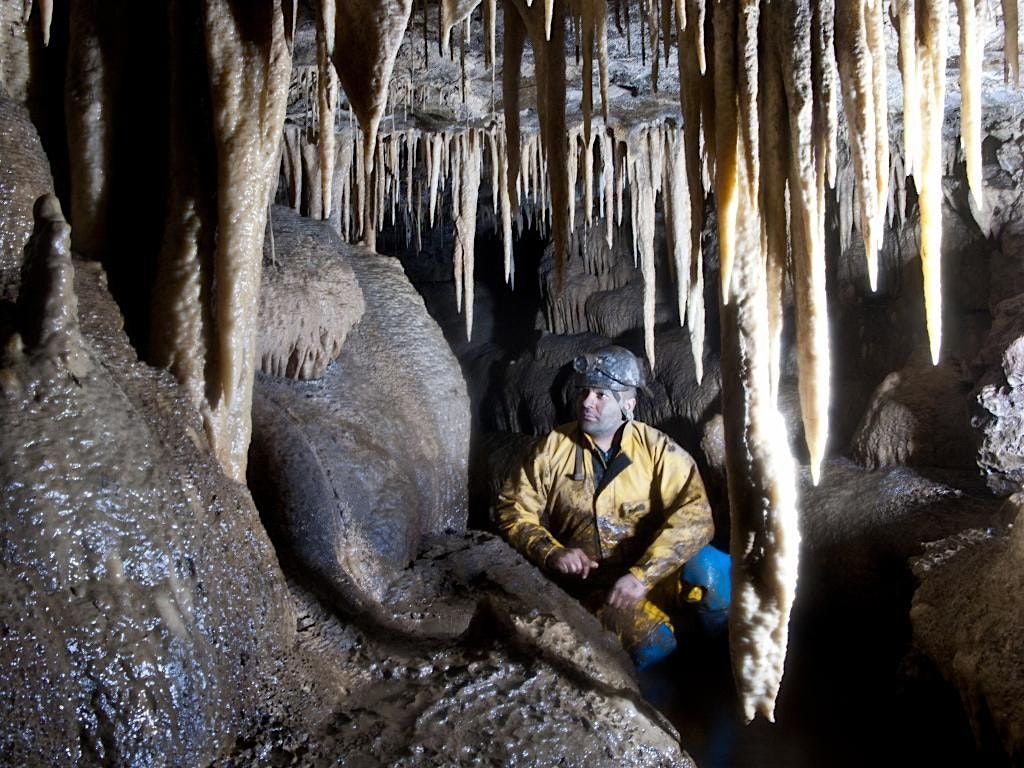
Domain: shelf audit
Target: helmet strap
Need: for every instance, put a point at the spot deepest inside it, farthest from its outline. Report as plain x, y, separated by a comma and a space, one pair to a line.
626, 415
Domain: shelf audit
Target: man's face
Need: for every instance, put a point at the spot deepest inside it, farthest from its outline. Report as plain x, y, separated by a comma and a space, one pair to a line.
598, 412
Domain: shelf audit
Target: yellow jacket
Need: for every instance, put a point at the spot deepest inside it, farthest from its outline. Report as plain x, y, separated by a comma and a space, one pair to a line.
650, 513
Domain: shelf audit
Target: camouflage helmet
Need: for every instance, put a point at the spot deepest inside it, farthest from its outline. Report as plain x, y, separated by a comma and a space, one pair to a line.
612, 367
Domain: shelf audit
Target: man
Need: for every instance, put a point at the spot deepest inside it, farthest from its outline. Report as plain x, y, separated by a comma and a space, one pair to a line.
611, 507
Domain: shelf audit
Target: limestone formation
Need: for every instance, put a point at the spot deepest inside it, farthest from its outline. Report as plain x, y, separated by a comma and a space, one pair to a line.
24, 176
144, 608
354, 469
308, 303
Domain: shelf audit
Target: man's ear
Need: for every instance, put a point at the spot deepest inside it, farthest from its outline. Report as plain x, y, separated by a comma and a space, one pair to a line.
629, 407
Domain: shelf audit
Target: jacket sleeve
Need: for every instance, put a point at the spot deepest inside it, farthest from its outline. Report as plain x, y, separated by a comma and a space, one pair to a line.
688, 525
521, 502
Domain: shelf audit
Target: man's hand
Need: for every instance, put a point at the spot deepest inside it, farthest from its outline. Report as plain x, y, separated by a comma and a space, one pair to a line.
627, 592
573, 561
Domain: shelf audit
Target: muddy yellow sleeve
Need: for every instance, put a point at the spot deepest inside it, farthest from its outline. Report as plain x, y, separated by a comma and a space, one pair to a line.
688, 525
520, 504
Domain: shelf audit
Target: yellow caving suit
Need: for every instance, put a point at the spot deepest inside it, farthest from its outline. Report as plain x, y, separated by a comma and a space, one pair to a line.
648, 515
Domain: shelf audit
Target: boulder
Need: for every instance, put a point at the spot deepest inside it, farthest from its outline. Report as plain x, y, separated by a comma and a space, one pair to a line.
144, 609
968, 618
918, 416
350, 471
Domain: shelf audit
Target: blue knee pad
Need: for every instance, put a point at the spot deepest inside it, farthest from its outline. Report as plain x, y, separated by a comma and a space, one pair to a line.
708, 572
655, 647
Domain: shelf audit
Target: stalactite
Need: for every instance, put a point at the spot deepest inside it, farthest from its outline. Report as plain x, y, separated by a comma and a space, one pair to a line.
89, 98
291, 157
311, 175
467, 173
764, 535
513, 42
825, 120
774, 162
726, 130
588, 181
676, 203
856, 59
490, 16
436, 144
645, 171
608, 185
970, 96
1011, 49
931, 40
794, 49
327, 95
45, 19
904, 19
364, 58
506, 210
246, 142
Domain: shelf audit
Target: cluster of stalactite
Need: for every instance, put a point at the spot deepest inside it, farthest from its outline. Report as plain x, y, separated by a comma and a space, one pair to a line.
760, 86
617, 172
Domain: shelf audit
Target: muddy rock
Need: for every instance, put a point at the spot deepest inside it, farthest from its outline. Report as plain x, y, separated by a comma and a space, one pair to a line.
24, 176
143, 609
351, 470
967, 618
533, 681
307, 306
918, 416
999, 395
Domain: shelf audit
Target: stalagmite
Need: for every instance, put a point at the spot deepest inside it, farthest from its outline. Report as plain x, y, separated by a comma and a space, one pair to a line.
931, 41
970, 96
311, 174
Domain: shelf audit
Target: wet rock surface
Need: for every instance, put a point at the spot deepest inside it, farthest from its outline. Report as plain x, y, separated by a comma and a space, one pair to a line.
967, 615
351, 470
143, 608
918, 416
556, 690
307, 305
24, 176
